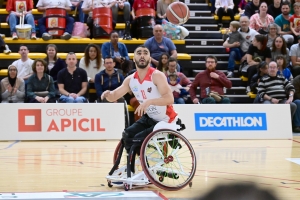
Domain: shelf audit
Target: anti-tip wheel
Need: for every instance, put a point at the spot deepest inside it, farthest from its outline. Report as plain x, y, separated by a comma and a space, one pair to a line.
109, 184
126, 187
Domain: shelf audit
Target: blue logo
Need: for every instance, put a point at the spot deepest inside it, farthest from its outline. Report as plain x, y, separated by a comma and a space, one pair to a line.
230, 121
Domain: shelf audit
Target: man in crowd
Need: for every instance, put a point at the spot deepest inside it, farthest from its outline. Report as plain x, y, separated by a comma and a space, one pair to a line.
210, 81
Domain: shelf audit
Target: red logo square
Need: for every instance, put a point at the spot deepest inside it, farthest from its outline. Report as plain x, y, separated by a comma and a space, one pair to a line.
36, 113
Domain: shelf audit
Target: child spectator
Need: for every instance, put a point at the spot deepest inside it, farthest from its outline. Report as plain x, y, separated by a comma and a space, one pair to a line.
295, 20
180, 92
282, 68
235, 37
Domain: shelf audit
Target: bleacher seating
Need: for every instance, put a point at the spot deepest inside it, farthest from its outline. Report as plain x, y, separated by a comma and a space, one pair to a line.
205, 38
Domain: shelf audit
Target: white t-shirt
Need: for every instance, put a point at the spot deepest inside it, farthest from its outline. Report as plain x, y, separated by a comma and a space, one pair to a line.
54, 3
91, 70
96, 4
24, 68
249, 36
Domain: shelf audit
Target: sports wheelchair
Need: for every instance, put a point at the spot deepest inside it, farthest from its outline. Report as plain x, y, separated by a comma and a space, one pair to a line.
164, 158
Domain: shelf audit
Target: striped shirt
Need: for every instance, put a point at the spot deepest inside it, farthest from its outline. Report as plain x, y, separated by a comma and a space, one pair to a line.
275, 87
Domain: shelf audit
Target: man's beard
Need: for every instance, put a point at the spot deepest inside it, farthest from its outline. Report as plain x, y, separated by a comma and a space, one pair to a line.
138, 65
211, 69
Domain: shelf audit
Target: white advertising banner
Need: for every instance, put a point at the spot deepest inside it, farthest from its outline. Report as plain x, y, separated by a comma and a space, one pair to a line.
62, 121
235, 121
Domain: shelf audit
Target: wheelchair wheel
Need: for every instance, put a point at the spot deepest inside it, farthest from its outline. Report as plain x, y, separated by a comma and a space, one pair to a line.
168, 159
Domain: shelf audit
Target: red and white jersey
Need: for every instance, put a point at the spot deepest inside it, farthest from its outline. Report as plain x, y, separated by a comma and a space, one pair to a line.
145, 90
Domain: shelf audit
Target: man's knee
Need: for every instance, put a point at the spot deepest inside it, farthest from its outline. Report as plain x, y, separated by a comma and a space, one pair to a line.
225, 100
209, 100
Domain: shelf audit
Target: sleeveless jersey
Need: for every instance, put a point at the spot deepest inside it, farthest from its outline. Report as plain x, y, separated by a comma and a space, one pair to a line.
145, 90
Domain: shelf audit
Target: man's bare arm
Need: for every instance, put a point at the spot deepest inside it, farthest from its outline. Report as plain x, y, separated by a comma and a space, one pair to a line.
114, 95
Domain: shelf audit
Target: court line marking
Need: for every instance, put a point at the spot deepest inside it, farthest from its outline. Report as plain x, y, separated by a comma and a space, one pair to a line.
11, 145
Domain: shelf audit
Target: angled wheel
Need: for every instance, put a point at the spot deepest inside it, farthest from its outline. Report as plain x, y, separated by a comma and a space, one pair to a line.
168, 159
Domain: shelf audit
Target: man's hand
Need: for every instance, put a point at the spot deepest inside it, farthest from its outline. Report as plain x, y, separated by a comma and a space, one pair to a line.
290, 100
275, 101
214, 75
73, 95
105, 94
142, 109
46, 99
40, 99
236, 44
196, 101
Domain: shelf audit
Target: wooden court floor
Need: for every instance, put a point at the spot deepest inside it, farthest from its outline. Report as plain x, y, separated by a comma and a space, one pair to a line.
55, 166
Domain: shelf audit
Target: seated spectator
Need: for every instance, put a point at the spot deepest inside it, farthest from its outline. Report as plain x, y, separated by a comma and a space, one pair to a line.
248, 35
24, 64
292, 2
159, 44
183, 81
76, 5
284, 24
161, 8
72, 81
4, 46
53, 63
275, 8
224, 8
40, 87
92, 62
260, 21
272, 34
258, 48
16, 9
118, 51
272, 88
182, 92
89, 5
163, 62
282, 68
108, 79
123, 5
12, 87
235, 38
251, 8
42, 6
296, 118
210, 80
261, 71
279, 48
295, 58
139, 4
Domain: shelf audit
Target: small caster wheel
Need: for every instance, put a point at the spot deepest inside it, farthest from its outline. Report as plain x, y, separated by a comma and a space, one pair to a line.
109, 184
126, 187
190, 184
161, 179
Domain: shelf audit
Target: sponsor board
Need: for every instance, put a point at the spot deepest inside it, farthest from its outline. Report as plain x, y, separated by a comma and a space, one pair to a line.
235, 121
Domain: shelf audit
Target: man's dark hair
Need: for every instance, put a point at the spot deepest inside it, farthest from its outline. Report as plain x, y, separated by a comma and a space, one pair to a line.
23, 45
142, 46
211, 57
171, 59
285, 3
109, 57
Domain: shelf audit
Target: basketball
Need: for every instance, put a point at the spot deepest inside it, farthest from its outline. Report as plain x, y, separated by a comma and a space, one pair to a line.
178, 13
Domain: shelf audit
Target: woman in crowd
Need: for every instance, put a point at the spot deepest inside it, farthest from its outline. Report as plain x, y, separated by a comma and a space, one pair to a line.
279, 47
40, 86
282, 69
118, 51
161, 7
53, 63
273, 33
92, 61
163, 62
261, 20
258, 48
12, 87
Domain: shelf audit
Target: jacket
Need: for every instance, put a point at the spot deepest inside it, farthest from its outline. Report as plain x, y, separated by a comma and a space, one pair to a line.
203, 80
104, 82
107, 49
